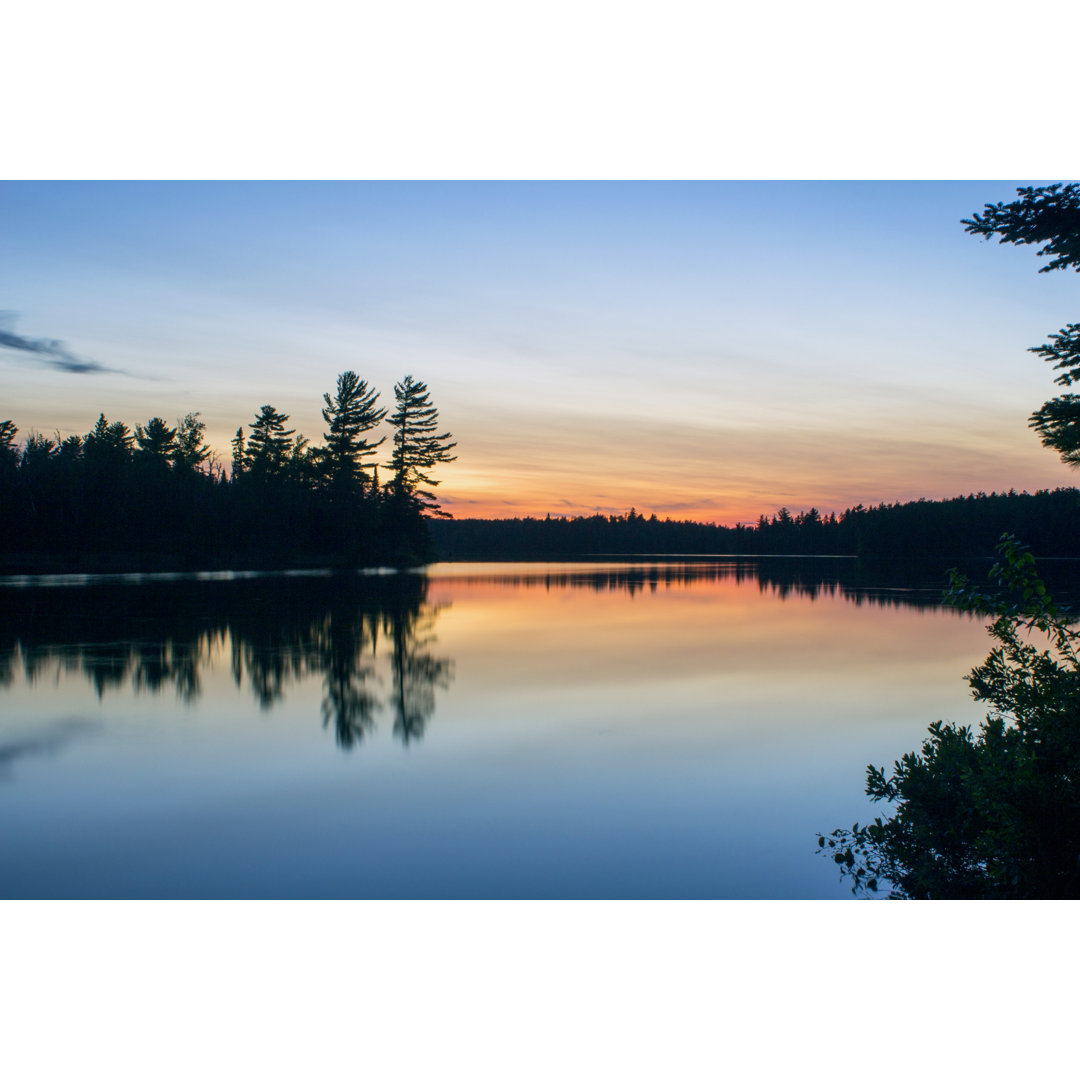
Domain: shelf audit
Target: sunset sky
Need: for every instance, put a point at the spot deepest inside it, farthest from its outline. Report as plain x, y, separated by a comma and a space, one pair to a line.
707, 350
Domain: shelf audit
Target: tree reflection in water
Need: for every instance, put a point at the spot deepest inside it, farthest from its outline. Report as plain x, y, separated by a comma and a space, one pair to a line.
417, 673
369, 638
350, 699
277, 630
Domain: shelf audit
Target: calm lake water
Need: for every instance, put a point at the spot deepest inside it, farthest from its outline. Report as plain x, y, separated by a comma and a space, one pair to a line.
647, 729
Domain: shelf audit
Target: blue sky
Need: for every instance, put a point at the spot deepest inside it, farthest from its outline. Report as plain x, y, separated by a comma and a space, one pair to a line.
705, 349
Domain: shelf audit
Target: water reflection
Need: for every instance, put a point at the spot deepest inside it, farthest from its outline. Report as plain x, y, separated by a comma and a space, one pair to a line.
46, 742
417, 673
275, 632
917, 583
666, 728
919, 586
371, 639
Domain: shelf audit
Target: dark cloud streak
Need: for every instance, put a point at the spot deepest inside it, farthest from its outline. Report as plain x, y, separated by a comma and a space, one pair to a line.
50, 352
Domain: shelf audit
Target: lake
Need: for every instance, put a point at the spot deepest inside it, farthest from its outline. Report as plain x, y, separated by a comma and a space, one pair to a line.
625, 729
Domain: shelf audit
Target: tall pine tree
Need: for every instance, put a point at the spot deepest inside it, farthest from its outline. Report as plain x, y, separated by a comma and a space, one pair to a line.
237, 445
269, 446
351, 413
417, 449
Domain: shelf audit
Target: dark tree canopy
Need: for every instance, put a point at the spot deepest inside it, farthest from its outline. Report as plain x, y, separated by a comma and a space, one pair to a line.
993, 814
1049, 216
9, 454
1064, 353
268, 447
350, 414
1057, 423
155, 498
417, 449
157, 439
108, 442
237, 444
191, 450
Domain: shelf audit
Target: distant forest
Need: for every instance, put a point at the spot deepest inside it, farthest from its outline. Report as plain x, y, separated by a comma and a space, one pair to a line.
156, 498
1048, 521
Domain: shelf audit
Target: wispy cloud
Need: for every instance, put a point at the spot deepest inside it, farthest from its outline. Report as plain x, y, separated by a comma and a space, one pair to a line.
48, 351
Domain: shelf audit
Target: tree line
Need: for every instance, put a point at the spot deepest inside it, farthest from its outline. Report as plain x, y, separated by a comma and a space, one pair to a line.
156, 495
964, 526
